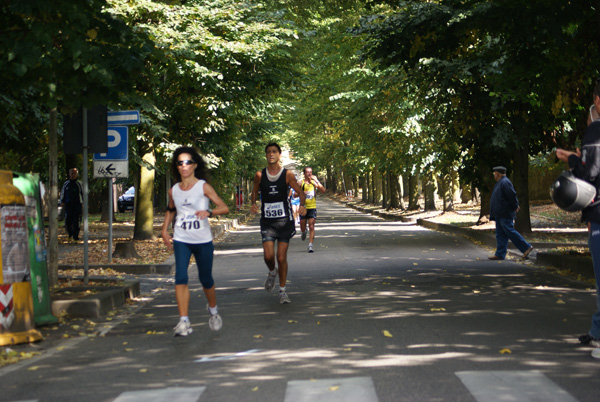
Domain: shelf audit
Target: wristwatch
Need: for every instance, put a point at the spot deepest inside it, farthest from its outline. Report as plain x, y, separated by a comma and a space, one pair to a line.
209, 212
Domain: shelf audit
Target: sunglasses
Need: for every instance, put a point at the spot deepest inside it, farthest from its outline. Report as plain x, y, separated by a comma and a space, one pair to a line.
185, 162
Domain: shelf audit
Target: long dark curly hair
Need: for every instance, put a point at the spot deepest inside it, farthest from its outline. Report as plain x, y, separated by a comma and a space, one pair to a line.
201, 171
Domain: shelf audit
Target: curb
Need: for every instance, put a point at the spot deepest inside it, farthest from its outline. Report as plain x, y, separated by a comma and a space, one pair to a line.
579, 265
97, 305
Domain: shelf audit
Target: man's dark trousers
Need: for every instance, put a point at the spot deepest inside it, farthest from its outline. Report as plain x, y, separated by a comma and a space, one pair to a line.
72, 219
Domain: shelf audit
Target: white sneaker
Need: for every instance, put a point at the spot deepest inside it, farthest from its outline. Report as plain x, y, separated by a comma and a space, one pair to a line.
183, 328
596, 353
283, 298
310, 248
303, 235
214, 322
270, 281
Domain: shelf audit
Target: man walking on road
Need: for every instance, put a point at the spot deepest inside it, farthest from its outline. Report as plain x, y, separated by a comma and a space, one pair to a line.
277, 220
503, 208
310, 184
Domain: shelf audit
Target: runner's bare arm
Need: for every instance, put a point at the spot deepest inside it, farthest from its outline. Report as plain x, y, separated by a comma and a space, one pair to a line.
254, 196
221, 208
166, 237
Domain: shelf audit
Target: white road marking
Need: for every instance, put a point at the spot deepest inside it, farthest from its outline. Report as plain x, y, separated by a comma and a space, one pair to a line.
173, 394
503, 386
354, 389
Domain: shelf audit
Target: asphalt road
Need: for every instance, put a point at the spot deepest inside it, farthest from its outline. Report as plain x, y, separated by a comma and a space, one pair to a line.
382, 311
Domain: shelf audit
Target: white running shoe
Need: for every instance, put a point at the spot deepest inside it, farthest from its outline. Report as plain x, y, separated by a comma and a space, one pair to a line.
283, 298
214, 322
183, 328
303, 235
270, 281
310, 248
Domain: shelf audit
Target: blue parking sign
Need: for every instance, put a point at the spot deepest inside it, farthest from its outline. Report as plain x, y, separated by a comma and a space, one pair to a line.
118, 148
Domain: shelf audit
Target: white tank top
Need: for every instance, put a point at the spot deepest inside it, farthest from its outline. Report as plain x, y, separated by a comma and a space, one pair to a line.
188, 227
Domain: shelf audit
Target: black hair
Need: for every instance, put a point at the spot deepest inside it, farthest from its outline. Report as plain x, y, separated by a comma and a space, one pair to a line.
273, 144
306, 167
201, 171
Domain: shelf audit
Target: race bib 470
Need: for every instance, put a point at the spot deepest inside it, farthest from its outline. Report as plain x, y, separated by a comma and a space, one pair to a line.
191, 222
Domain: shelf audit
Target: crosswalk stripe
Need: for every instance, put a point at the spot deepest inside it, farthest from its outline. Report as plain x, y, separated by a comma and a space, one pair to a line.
353, 389
172, 394
522, 386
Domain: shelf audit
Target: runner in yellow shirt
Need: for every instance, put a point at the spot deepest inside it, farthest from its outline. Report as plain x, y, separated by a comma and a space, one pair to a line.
309, 185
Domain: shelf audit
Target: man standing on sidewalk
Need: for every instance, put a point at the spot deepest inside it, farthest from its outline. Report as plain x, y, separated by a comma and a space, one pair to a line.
71, 197
310, 184
504, 206
277, 219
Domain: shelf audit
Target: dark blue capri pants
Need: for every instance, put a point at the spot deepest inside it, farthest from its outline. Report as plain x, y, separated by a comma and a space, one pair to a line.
203, 253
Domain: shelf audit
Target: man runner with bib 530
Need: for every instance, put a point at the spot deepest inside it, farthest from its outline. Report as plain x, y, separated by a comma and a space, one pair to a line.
277, 219
310, 184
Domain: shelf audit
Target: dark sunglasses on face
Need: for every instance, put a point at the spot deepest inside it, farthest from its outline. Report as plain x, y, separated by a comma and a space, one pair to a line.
185, 162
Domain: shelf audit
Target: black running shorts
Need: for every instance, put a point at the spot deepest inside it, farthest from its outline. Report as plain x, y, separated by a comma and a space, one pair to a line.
310, 214
277, 229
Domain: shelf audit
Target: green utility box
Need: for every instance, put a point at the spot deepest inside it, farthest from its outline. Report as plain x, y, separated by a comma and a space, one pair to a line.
29, 185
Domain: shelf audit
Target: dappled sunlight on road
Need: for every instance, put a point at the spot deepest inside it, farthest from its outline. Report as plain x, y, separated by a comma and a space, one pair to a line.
239, 251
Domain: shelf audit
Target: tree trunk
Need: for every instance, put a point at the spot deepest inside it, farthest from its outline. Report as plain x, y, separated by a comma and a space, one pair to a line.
466, 194
429, 191
365, 188
376, 187
385, 190
521, 183
53, 200
445, 184
485, 191
401, 189
413, 192
143, 205
394, 194
371, 189
126, 250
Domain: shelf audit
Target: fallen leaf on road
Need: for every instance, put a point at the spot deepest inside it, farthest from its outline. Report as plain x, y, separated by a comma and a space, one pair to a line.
438, 309
33, 368
505, 351
387, 333
254, 389
258, 336
560, 301
144, 370
292, 322
149, 315
334, 388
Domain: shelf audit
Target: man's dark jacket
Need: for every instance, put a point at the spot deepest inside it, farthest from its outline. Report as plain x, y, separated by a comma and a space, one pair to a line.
588, 167
504, 201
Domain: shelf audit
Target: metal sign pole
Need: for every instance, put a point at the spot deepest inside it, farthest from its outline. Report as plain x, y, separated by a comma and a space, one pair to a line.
110, 218
85, 198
